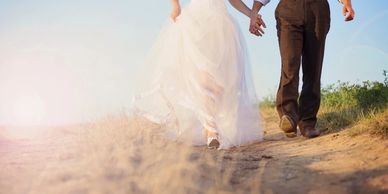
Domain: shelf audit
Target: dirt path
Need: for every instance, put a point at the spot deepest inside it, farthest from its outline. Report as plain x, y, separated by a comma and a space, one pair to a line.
121, 155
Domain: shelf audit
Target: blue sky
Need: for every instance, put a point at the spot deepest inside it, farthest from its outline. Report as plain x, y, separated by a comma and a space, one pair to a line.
83, 58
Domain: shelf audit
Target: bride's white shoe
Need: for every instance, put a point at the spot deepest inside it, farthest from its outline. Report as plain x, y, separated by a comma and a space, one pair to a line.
213, 142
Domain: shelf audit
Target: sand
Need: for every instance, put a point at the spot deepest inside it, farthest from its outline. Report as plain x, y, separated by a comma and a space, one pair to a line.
119, 154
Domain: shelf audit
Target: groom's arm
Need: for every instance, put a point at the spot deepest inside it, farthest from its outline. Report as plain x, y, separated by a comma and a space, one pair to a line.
258, 4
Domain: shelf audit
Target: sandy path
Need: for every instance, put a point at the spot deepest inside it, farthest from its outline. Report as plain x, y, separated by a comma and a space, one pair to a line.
120, 155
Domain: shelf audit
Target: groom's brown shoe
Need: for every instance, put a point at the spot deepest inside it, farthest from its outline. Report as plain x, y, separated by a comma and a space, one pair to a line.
310, 132
288, 126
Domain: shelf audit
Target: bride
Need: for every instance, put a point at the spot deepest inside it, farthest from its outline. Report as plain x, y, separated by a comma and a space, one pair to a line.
203, 91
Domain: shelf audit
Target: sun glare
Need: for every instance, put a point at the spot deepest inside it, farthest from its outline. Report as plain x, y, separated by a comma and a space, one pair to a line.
28, 110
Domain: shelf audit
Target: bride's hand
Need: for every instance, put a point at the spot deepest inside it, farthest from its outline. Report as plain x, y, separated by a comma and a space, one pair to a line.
176, 11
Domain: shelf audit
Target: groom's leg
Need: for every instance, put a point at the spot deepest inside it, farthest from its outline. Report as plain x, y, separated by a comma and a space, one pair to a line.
290, 35
316, 29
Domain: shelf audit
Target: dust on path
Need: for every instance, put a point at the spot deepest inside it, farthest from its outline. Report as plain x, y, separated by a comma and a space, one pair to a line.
122, 155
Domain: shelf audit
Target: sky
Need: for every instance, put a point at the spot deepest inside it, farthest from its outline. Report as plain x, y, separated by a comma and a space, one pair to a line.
75, 60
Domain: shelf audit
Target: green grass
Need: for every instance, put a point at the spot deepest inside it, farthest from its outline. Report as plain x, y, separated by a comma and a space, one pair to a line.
267, 103
361, 107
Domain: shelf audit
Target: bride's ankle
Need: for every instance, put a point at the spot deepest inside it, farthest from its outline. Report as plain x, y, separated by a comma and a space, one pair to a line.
212, 134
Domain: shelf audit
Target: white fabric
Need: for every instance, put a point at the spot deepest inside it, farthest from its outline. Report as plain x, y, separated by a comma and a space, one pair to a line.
264, 2
202, 79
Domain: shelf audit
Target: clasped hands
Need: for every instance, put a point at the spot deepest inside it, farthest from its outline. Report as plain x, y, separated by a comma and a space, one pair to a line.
257, 24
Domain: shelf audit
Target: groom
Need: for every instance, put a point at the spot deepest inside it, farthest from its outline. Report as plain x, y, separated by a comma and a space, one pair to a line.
302, 27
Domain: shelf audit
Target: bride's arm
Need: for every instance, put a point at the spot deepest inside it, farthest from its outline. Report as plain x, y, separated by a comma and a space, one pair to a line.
176, 9
241, 7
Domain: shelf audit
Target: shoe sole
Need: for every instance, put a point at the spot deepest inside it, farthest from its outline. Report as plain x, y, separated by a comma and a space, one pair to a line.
311, 136
214, 144
287, 127
290, 134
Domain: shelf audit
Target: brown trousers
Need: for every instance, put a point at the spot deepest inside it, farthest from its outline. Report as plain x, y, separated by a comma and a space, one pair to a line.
302, 28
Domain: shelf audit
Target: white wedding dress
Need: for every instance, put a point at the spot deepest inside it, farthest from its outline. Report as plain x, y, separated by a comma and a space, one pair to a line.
202, 79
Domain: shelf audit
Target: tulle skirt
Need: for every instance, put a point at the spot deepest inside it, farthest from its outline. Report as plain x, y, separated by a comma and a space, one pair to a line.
202, 79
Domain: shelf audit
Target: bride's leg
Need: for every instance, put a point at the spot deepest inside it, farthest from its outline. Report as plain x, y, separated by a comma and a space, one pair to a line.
209, 83
209, 107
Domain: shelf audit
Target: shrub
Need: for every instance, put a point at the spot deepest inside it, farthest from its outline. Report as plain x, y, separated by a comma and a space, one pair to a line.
366, 96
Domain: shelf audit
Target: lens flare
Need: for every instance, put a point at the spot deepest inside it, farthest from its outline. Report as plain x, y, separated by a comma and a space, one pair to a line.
28, 110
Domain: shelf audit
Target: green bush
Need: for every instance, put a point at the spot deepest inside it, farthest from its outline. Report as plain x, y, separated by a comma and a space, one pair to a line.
344, 104
366, 96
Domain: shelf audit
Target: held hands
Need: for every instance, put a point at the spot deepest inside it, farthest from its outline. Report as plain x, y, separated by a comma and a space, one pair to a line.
257, 24
176, 11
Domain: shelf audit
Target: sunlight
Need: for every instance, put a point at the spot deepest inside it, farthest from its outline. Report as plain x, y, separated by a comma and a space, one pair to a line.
28, 109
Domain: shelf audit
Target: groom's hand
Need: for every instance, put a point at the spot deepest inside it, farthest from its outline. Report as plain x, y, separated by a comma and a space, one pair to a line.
256, 25
347, 10
348, 13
